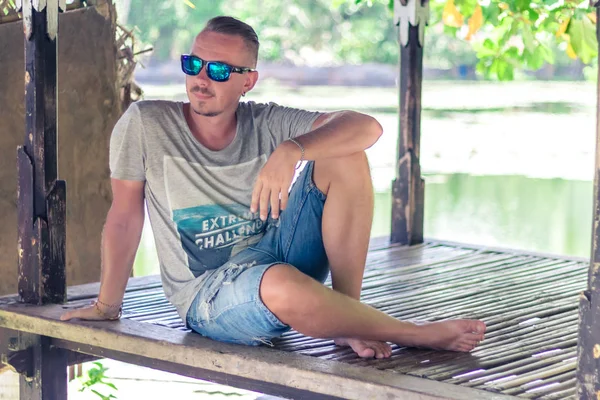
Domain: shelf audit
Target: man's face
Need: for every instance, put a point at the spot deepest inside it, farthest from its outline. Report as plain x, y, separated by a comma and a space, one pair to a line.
210, 98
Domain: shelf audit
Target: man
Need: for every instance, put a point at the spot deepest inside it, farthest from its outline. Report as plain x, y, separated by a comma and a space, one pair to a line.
242, 258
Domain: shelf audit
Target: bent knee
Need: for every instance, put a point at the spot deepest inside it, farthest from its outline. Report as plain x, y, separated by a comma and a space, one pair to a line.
350, 165
356, 160
276, 281
279, 286
352, 170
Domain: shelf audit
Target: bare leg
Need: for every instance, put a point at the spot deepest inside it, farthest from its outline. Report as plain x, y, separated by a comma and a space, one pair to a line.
325, 313
347, 218
346, 227
337, 313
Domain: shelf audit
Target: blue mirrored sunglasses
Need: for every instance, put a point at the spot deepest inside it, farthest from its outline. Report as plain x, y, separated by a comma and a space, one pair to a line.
215, 70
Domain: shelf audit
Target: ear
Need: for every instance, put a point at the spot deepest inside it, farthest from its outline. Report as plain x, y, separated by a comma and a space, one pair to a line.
251, 79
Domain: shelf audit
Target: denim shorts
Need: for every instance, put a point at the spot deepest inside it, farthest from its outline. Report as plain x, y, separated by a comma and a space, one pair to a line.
228, 307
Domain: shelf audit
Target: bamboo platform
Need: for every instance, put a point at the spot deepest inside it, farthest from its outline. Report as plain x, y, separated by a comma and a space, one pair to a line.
528, 301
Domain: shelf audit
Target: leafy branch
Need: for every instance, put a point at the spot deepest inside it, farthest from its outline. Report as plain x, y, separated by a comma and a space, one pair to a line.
512, 34
96, 376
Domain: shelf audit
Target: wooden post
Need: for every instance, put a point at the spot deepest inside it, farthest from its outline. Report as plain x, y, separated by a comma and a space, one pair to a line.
408, 188
588, 346
43, 368
41, 196
41, 201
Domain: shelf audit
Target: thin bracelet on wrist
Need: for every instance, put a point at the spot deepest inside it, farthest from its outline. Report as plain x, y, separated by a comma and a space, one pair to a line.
107, 316
301, 149
108, 305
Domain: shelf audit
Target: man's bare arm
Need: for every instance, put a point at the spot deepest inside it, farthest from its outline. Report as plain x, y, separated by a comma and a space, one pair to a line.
335, 134
339, 134
120, 240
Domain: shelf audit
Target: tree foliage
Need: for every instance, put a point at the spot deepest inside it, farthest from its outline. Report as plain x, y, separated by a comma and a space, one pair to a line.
499, 36
511, 34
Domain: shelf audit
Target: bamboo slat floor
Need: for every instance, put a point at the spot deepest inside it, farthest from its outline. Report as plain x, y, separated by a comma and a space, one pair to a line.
528, 301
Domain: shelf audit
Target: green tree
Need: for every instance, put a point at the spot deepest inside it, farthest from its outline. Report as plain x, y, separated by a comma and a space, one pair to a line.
511, 34
311, 31
499, 35
169, 25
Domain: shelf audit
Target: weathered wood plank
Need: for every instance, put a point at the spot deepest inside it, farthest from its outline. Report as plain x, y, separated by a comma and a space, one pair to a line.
408, 187
90, 290
41, 203
188, 350
28, 281
46, 369
19, 360
41, 277
217, 377
54, 270
40, 103
588, 365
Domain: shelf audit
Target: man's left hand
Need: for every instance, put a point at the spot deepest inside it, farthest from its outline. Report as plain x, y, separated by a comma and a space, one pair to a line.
274, 180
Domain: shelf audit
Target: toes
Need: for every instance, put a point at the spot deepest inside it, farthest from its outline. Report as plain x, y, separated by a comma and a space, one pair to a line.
383, 350
367, 352
466, 345
474, 336
363, 350
474, 326
465, 348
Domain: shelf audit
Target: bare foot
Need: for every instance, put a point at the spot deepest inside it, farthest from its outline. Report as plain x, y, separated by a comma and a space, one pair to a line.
366, 348
456, 335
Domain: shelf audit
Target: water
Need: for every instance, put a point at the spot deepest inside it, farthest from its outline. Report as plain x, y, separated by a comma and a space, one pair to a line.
543, 215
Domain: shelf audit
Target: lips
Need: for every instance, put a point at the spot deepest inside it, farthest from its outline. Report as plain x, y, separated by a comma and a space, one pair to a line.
202, 96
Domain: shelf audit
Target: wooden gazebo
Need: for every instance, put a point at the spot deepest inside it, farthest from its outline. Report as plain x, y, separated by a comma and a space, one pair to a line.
529, 302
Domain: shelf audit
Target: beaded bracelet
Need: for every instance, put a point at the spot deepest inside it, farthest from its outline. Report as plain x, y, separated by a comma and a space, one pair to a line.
106, 316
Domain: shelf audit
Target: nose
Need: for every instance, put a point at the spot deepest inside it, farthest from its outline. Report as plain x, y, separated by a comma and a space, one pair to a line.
202, 75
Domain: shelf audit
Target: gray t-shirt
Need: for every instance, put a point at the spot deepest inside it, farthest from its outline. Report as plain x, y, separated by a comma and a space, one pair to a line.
198, 200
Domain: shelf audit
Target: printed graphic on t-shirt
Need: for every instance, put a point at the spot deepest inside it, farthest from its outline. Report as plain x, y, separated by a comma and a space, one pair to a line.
212, 216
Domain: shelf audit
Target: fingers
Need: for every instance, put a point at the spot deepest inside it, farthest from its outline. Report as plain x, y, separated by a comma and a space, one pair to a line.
265, 196
72, 314
88, 313
262, 196
285, 194
284, 199
256, 196
275, 204
268, 189
67, 316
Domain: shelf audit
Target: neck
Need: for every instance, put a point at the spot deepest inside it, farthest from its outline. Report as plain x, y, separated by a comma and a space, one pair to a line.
214, 133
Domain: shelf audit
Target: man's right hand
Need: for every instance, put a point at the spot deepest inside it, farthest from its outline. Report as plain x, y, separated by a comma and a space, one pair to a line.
120, 240
89, 313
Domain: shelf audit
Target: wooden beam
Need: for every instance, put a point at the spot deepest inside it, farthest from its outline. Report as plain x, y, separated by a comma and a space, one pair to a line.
41, 205
408, 187
259, 368
588, 346
41, 196
193, 372
45, 376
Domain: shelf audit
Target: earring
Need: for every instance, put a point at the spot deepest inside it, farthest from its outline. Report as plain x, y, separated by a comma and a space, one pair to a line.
243, 94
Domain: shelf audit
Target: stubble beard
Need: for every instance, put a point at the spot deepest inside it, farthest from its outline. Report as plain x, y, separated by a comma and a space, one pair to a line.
206, 113
198, 108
